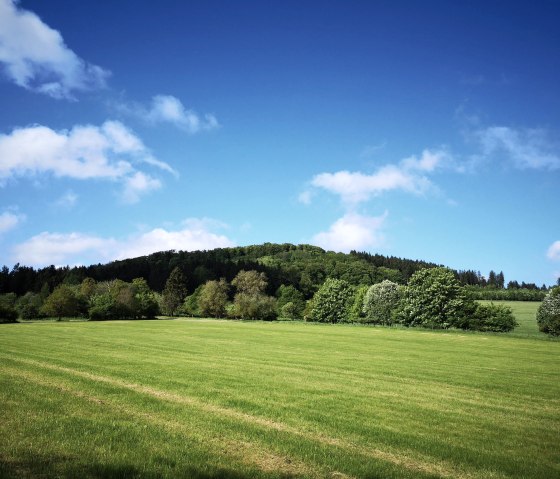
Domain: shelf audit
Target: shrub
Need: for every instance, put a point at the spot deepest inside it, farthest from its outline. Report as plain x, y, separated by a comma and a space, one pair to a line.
8, 314
29, 305
434, 298
289, 311
548, 314
255, 306
492, 317
380, 301
332, 302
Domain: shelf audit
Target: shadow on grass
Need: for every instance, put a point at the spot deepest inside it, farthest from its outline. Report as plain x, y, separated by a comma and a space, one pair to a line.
65, 467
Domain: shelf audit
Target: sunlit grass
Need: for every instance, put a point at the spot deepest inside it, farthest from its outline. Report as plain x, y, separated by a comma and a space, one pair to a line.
208, 398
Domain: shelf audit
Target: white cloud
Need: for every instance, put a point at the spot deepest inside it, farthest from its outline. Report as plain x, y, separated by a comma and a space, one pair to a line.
85, 152
80, 248
35, 56
353, 232
67, 200
526, 148
138, 184
305, 197
553, 252
169, 109
9, 220
409, 175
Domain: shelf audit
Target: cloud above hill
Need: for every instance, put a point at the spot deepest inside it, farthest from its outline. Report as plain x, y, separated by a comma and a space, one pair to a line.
353, 232
410, 175
74, 248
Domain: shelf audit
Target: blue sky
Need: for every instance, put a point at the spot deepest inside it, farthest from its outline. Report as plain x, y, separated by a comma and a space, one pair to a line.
426, 130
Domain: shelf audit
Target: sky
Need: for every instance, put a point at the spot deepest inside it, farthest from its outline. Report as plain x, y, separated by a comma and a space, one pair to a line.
424, 130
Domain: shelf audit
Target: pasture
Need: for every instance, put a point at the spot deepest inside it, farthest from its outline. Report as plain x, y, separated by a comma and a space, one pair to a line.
232, 399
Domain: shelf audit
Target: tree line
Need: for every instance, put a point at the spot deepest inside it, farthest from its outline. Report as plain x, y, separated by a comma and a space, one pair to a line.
304, 267
432, 298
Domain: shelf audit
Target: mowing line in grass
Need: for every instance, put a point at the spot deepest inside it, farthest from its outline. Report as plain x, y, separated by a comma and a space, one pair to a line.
403, 458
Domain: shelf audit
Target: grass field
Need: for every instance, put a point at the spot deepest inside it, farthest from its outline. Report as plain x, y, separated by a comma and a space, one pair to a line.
231, 399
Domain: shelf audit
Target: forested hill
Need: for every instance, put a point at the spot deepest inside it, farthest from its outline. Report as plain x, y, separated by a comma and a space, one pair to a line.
303, 266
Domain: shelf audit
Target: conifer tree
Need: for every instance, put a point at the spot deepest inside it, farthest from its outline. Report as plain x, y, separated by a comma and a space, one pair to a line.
175, 291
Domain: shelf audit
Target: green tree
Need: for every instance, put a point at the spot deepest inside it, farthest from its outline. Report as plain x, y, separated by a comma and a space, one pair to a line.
146, 301
61, 303
174, 292
356, 313
250, 302
548, 314
434, 298
29, 305
8, 312
190, 306
213, 298
87, 288
250, 282
331, 303
381, 301
289, 294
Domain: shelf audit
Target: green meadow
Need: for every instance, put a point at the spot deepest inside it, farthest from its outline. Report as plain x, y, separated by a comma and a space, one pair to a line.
234, 399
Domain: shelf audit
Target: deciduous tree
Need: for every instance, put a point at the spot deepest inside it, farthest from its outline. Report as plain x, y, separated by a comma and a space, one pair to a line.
434, 298
332, 302
213, 298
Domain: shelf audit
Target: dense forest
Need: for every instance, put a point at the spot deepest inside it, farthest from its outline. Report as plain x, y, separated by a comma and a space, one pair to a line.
305, 267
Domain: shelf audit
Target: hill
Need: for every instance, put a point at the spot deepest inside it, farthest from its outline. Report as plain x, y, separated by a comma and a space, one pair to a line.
303, 266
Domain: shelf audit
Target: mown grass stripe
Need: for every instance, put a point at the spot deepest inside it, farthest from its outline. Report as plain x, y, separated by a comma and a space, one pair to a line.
402, 458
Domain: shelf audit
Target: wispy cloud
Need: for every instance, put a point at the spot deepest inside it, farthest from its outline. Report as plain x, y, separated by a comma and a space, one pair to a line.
353, 232
81, 248
67, 200
409, 175
9, 221
525, 148
110, 151
169, 109
35, 56
553, 252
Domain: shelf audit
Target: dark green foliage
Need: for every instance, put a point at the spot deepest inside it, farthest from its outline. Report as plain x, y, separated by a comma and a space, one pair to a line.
491, 317
434, 298
332, 302
174, 292
8, 312
290, 295
548, 314
29, 305
61, 303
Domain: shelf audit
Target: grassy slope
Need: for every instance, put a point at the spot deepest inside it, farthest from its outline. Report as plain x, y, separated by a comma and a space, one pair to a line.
196, 398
